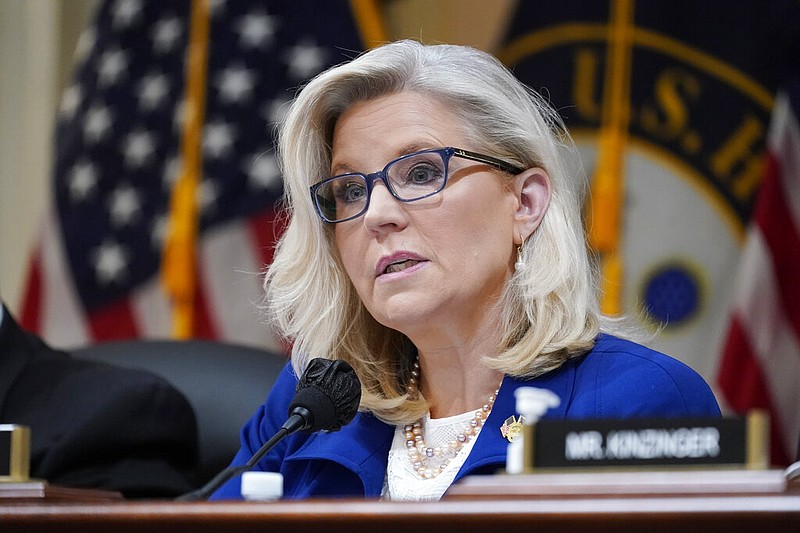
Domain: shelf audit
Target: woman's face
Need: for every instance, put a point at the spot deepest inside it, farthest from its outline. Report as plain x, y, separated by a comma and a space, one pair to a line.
450, 254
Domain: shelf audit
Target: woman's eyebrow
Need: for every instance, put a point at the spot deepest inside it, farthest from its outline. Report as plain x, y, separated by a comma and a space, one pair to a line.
345, 168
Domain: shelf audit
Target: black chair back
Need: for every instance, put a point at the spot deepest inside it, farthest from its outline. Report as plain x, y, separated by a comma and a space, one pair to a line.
224, 383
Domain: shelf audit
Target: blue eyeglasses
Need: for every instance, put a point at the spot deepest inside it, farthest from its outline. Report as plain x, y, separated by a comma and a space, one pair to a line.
408, 179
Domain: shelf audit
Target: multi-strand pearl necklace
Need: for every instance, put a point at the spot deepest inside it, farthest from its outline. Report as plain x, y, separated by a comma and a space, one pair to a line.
430, 461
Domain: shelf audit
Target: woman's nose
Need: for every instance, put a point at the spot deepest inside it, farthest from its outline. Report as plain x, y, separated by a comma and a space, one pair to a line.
384, 210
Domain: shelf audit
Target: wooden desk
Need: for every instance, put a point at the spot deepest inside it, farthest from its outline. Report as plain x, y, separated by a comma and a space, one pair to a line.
38, 491
631, 509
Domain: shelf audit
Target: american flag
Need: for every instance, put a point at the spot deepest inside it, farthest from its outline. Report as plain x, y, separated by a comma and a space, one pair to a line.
94, 274
761, 361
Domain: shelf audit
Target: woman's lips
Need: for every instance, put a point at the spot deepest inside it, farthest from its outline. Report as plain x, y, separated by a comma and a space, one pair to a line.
397, 267
397, 262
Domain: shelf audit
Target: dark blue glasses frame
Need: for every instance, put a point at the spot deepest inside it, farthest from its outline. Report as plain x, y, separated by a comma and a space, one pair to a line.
446, 154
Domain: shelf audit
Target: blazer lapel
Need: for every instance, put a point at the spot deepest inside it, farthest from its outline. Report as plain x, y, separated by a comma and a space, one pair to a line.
361, 447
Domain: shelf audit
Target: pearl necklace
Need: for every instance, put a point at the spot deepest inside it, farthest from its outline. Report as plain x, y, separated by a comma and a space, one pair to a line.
430, 461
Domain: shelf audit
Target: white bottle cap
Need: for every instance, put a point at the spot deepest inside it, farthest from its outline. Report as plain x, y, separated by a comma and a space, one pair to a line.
532, 403
262, 486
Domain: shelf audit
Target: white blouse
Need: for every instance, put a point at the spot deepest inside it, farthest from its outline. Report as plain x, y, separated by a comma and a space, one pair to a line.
402, 483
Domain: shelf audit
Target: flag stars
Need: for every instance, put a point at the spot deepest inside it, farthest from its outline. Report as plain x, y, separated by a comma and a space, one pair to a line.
124, 206
70, 101
236, 84
158, 234
263, 172
138, 149
171, 169
305, 59
96, 124
276, 110
208, 195
82, 181
256, 30
85, 43
187, 114
125, 12
180, 115
217, 140
217, 7
112, 65
110, 263
152, 91
166, 34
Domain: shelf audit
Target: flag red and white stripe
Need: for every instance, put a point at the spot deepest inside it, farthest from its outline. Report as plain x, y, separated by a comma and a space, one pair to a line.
231, 259
760, 365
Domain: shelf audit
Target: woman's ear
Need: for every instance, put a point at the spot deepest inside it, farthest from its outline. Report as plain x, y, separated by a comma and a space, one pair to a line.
532, 189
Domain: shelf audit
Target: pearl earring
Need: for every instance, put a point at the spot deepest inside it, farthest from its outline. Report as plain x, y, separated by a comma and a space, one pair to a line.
520, 264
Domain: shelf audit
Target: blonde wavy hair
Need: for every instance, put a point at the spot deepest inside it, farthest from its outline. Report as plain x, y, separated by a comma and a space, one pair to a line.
549, 310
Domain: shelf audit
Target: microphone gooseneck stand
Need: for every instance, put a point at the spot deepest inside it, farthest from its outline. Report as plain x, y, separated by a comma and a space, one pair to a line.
326, 398
232, 471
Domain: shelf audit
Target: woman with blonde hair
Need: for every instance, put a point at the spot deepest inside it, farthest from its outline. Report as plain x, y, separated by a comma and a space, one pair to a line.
435, 243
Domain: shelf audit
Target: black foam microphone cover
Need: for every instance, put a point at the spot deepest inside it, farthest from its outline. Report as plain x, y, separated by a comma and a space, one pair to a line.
328, 395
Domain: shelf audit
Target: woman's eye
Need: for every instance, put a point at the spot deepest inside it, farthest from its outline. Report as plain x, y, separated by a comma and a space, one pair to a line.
351, 191
423, 175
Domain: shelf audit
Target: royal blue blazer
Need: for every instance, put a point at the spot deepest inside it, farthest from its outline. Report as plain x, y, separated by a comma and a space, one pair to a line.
616, 379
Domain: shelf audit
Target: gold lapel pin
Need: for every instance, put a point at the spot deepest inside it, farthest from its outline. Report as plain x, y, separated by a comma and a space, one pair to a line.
512, 427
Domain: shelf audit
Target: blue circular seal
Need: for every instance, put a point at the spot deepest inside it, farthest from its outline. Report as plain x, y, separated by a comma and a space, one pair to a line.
672, 295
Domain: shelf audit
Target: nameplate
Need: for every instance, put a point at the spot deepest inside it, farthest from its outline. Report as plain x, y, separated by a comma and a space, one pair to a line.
645, 443
15, 445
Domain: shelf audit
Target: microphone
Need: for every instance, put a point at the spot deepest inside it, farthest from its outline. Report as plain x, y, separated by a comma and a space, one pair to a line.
326, 398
